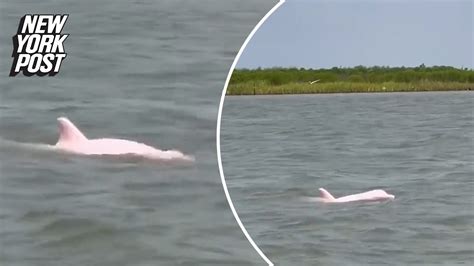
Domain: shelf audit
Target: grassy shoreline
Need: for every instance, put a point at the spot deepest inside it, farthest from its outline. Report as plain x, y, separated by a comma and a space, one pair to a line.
349, 80
345, 87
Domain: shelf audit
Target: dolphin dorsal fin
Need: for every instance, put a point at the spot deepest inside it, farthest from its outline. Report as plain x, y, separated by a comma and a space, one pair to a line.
68, 132
325, 194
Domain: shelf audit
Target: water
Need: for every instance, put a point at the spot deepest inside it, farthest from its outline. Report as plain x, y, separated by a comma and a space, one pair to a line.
150, 71
278, 150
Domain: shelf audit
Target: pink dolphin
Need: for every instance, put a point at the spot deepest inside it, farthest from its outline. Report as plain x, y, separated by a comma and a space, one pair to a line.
373, 195
72, 140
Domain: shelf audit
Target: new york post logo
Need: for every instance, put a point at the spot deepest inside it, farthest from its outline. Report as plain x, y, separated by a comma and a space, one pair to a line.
38, 46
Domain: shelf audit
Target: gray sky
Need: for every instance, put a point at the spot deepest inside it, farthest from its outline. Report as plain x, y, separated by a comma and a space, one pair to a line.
324, 34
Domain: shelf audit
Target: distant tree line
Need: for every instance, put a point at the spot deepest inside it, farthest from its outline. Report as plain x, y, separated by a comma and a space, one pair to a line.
358, 74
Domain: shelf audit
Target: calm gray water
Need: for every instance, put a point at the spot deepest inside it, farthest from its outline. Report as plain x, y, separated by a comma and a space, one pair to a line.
278, 150
151, 71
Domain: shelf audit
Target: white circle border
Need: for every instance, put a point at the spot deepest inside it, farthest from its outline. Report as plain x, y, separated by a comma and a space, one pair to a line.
218, 133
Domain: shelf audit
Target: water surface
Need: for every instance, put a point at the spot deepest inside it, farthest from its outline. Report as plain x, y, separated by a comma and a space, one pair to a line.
278, 150
150, 71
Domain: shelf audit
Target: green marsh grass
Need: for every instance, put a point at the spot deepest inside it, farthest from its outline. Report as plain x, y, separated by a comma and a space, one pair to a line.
260, 88
349, 80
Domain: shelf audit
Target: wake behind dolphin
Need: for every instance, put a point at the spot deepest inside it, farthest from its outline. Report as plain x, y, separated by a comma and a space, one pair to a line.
72, 140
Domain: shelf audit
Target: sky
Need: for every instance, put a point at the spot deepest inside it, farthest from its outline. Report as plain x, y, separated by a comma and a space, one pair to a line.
329, 33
